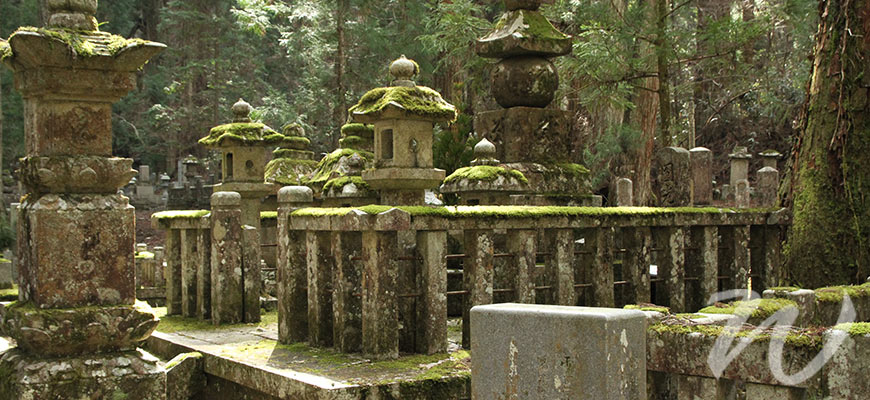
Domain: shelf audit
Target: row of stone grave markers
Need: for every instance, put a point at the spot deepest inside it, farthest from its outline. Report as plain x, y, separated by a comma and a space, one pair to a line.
685, 178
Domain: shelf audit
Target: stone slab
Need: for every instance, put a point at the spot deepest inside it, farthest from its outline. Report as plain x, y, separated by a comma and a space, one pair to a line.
524, 351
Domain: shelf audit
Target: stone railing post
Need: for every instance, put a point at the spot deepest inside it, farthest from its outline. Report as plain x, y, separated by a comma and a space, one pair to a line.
741, 194
318, 250
638, 257
602, 240
702, 262
292, 267
559, 266
477, 274
742, 266
203, 273
347, 280
226, 258
252, 282
159, 258
671, 267
189, 261
173, 272
522, 244
772, 273
432, 310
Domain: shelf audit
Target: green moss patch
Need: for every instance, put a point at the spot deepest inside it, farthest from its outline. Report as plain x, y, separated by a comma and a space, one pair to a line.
758, 308
355, 142
419, 100
177, 323
855, 328
144, 255
243, 134
572, 169
356, 129
328, 165
798, 337
10, 294
181, 357
648, 307
185, 214
268, 215
834, 294
784, 288
5, 50
86, 43
535, 25
507, 212
288, 171
485, 173
339, 183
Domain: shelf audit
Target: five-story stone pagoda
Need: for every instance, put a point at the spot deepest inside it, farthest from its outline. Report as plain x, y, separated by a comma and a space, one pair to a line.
404, 116
76, 323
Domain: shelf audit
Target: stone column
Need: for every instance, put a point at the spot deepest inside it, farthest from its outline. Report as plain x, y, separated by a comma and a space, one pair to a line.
740, 271
559, 266
226, 258
432, 318
173, 272
77, 320
292, 269
702, 175
320, 270
637, 261
477, 272
671, 267
525, 351
624, 193
252, 281
189, 261
673, 181
380, 337
523, 246
602, 269
768, 186
203, 274
347, 280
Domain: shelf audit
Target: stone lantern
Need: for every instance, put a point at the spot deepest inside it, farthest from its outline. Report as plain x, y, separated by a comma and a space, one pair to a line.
769, 158
485, 182
404, 116
76, 323
244, 144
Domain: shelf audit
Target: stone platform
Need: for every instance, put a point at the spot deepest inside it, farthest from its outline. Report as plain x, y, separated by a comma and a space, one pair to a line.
246, 361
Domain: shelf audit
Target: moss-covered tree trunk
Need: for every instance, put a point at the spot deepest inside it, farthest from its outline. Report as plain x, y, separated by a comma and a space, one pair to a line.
830, 182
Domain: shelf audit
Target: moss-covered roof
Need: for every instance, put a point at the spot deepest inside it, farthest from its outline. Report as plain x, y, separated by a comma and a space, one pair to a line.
418, 101
84, 43
328, 164
246, 134
523, 32
355, 142
341, 182
485, 173
357, 129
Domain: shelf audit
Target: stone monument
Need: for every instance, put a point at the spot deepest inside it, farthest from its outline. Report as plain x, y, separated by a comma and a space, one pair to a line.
404, 116
485, 181
77, 323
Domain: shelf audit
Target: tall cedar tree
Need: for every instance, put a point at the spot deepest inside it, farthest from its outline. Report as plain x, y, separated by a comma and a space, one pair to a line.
830, 185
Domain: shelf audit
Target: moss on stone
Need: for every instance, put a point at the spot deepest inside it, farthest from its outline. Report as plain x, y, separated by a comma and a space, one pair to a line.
86, 43
184, 214
855, 328
246, 134
144, 255
535, 25
834, 294
419, 100
758, 308
689, 316
339, 183
485, 173
506, 212
181, 357
5, 50
807, 337
357, 129
327, 165
10, 294
572, 169
177, 323
284, 171
648, 307
355, 142
784, 288
268, 215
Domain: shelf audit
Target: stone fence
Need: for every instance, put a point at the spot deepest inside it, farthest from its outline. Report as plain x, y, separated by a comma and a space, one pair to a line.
374, 279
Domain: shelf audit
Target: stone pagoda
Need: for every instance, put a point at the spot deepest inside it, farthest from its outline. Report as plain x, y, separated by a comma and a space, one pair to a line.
77, 323
404, 116
244, 144
292, 161
530, 137
485, 182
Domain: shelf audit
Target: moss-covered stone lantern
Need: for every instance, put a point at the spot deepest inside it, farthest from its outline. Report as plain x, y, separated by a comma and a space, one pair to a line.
243, 144
485, 182
292, 162
76, 324
403, 116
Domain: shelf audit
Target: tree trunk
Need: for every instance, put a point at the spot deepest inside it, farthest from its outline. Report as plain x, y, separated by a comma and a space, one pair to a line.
644, 118
664, 76
830, 182
340, 111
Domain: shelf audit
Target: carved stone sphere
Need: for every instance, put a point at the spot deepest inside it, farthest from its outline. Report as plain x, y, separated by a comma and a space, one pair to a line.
524, 81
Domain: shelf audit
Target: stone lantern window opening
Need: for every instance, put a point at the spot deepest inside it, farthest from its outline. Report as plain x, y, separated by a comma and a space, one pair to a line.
228, 166
386, 144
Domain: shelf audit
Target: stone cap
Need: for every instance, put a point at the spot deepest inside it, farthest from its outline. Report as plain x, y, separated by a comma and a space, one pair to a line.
740, 152
242, 111
484, 153
767, 170
243, 132
523, 32
295, 194
699, 149
403, 71
226, 199
770, 153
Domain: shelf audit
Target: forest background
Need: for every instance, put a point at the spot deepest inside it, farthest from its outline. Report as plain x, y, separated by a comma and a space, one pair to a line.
643, 74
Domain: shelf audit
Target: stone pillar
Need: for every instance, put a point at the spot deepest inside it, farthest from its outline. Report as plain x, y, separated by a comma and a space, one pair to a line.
523, 246
741, 267
602, 269
768, 186
432, 318
252, 281
380, 336
739, 165
772, 273
637, 261
203, 273
226, 258
159, 258
524, 351
702, 175
709, 248
478, 275
320, 270
741, 194
624, 192
559, 266
671, 267
292, 269
144, 174
347, 280
673, 181
77, 320
189, 261
173, 272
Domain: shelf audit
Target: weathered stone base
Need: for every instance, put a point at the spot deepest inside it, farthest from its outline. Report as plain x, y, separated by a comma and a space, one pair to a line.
553, 180
527, 134
132, 375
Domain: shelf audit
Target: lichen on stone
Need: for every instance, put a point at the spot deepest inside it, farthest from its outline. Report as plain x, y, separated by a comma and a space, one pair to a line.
507, 212
485, 173
534, 25
420, 101
758, 308
250, 134
355, 142
268, 215
144, 255
572, 169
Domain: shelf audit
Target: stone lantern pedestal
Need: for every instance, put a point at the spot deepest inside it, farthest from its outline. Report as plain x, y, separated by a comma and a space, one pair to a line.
76, 323
404, 116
